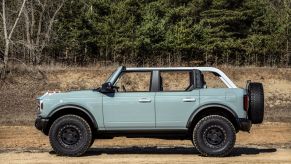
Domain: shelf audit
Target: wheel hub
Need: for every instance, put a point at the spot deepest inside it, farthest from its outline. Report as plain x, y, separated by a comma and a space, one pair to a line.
70, 135
214, 136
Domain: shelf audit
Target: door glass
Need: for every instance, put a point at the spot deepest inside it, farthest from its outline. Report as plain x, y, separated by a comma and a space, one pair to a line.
134, 82
175, 81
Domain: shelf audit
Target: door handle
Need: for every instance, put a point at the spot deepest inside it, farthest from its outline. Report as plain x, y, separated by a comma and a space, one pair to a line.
144, 100
189, 100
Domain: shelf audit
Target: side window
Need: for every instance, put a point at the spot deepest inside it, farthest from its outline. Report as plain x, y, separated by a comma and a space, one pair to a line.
175, 81
213, 81
134, 82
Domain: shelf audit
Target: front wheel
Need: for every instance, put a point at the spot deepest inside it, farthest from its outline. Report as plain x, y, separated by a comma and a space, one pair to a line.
214, 135
70, 135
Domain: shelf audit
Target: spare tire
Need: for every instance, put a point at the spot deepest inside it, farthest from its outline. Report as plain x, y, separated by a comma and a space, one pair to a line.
256, 102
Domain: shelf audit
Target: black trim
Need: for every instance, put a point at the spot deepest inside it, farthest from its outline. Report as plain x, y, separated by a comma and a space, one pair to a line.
75, 107
155, 133
244, 124
41, 123
192, 79
198, 79
155, 81
201, 108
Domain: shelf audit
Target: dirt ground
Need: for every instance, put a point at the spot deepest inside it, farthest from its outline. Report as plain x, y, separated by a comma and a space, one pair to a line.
267, 143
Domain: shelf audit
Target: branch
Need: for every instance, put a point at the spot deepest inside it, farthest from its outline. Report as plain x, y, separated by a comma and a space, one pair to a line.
24, 43
27, 26
42, 5
16, 21
51, 24
40, 22
4, 20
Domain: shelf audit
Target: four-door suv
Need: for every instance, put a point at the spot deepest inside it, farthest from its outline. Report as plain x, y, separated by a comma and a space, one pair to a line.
172, 103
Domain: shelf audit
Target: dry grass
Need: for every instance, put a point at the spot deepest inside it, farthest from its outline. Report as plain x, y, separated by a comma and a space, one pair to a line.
23, 85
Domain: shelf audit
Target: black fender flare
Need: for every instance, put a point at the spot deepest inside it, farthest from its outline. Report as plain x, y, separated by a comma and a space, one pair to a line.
77, 107
203, 107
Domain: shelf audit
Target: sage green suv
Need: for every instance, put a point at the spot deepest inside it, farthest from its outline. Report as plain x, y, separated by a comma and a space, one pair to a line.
197, 103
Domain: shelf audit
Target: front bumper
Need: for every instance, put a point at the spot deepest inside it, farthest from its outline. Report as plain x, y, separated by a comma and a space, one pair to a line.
41, 123
244, 124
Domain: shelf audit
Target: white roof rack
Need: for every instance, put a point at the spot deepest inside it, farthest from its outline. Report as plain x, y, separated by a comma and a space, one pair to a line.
222, 76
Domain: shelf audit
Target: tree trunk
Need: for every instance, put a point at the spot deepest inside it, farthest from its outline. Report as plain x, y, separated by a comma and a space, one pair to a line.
8, 37
5, 61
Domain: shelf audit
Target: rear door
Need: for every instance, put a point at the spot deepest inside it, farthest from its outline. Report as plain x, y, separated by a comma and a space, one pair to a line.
176, 99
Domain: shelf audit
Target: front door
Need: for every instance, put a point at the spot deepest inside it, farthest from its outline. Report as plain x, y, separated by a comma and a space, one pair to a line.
132, 105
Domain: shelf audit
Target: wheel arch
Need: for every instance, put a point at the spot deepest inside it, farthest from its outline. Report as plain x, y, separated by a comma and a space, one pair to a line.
71, 109
212, 109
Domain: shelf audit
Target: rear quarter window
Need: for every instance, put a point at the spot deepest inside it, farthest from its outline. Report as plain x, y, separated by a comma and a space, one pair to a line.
213, 81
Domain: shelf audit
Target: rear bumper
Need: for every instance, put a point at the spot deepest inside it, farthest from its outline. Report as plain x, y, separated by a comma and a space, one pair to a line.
244, 124
41, 123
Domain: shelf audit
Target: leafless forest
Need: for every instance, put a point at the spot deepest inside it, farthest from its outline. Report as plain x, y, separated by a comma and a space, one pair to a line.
147, 32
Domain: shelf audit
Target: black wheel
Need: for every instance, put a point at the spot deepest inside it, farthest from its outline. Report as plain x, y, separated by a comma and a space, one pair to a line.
256, 102
214, 135
92, 141
70, 135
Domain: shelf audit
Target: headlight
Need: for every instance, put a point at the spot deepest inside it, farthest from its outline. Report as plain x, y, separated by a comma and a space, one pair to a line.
40, 105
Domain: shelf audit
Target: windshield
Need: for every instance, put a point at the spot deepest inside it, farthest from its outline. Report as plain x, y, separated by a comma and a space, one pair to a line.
110, 77
114, 75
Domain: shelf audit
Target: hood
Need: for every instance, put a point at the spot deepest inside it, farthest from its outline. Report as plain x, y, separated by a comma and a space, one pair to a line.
70, 94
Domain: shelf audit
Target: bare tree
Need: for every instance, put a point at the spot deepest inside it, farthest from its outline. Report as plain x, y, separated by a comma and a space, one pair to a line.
8, 34
40, 16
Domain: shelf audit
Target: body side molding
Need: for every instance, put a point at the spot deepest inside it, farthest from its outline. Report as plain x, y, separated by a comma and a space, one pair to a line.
203, 107
77, 107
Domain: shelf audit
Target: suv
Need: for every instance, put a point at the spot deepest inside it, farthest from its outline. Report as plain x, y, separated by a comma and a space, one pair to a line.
172, 103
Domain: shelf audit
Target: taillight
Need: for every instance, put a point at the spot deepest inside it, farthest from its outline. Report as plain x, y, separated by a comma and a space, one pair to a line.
246, 102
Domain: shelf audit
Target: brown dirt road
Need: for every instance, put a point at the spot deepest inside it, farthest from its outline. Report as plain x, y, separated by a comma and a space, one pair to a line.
267, 143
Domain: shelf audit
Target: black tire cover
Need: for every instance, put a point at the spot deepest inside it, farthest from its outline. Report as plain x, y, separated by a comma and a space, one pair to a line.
256, 102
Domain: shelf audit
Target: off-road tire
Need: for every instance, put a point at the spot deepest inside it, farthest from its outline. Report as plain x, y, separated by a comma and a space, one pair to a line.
70, 135
256, 102
92, 142
204, 131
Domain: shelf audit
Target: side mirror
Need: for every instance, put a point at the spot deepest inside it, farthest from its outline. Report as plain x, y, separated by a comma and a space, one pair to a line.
107, 87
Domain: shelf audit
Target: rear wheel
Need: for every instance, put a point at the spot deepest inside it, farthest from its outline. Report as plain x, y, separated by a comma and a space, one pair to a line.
70, 135
214, 135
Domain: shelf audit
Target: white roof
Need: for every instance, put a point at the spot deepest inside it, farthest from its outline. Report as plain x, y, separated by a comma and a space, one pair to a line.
165, 68
222, 76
